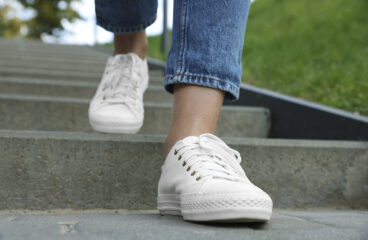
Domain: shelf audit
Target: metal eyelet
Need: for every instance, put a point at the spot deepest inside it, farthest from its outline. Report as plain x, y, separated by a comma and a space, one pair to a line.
184, 163
175, 152
193, 173
188, 169
179, 157
198, 178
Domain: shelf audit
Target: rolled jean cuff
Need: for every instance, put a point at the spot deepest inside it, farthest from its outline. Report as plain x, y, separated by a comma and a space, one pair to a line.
129, 28
230, 89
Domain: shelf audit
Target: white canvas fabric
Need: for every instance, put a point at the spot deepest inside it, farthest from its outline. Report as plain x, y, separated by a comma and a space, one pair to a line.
117, 106
202, 180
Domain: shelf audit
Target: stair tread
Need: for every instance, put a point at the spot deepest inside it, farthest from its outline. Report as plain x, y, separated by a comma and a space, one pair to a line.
69, 166
105, 170
107, 224
70, 114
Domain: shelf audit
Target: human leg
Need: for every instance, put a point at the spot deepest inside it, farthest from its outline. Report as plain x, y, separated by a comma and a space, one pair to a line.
127, 20
206, 51
190, 117
201, 178
131, 42
117, 106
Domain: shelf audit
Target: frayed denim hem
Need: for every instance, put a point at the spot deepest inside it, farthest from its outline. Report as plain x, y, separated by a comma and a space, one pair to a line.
231, 90
120, 28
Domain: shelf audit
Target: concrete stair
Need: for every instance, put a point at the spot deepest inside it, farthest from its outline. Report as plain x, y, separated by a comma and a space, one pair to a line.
51, 159
122, 224
70, 114
45, 170
155, 76
69, 88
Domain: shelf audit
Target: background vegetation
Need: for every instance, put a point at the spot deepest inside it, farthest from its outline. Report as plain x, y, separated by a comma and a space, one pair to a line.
312, 49
315, 50
47, 18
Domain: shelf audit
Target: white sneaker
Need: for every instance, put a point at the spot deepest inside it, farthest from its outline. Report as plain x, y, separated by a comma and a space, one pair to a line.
117, 106
202, 180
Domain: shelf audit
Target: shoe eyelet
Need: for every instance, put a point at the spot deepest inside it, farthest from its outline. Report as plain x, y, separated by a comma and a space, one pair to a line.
198, 178
188, 169
175, 152
193, 173
179, 157
184, 163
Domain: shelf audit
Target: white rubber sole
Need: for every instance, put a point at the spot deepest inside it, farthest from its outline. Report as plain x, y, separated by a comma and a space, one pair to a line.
121, 128
170, 205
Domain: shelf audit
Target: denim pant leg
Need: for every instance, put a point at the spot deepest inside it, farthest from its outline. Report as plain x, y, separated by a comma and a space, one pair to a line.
125, 16
207, 43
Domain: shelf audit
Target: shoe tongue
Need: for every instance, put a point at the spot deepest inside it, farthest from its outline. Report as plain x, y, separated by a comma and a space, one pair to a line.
135, 58
212, 137
190, 139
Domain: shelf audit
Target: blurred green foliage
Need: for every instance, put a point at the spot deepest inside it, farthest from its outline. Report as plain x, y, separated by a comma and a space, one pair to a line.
47, 18
315, 50
9, 28
154, 47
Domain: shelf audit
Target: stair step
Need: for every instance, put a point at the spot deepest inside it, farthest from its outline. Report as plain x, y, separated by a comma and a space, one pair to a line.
56, 53
291, 224
23, 45
61, 51
65, 88
54, 60
155, 75
48, 170
70, 114
46, 64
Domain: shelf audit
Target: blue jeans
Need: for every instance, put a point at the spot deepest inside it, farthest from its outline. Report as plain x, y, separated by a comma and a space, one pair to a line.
207, 38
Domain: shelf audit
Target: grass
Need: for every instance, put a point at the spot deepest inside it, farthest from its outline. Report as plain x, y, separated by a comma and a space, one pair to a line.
314, 50
154, 47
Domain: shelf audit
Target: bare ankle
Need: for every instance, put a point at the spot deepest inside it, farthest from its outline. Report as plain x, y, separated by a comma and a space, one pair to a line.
131, 43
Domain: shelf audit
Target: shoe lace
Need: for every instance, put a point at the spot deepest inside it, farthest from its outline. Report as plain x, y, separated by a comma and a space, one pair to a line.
119, 86
211, 157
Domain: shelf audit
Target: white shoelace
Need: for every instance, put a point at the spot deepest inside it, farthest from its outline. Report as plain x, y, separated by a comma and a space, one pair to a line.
209, 156
119, 87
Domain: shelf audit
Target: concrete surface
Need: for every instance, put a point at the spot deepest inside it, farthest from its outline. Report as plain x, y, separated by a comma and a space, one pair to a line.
25, 44
51, 59
121, 224
46, 64
45, 170
68, 114
155, 75
63, 53
67, 88
85, 170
